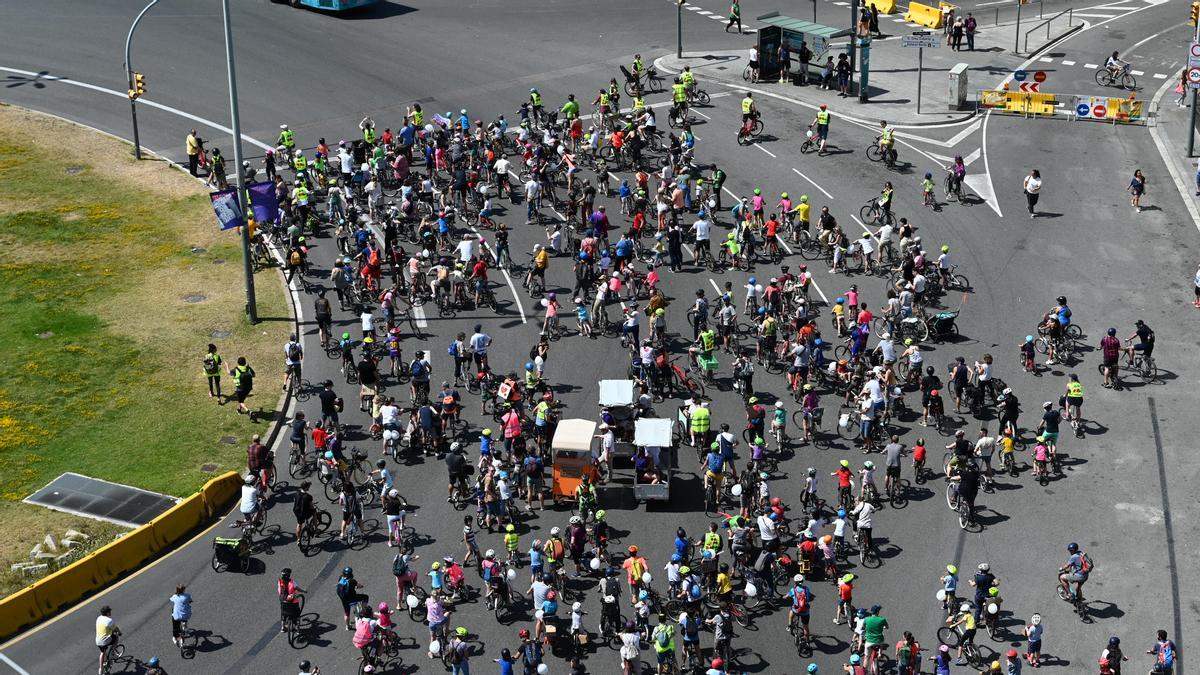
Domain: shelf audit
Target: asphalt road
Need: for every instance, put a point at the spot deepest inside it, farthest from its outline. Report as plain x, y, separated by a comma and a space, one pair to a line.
1125, 494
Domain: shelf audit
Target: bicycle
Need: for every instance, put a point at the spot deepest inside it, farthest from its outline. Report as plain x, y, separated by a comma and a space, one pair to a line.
115, 652
876, 153
872, 212
867, 555
749, 132
317, 524
953, 188
1078, 604
898, 493
1124, 78
952, 637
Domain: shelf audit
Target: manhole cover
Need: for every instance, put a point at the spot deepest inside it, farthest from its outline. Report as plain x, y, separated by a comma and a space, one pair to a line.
218, 261
208, 468
198, 250
220, 334
194, 298
73, 170
722, 68
229, 440
45, 335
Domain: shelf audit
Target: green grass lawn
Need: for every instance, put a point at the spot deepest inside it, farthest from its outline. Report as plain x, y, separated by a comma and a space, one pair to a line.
113, 280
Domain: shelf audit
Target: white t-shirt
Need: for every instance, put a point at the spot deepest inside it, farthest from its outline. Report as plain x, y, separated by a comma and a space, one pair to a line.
874, 389
466, 249
390, 414
1033, 185
702, 228
368, 322
104, 630
502, 165
766, 528
887, 349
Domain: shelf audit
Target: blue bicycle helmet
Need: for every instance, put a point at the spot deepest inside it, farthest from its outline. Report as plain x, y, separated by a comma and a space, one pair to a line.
529, 365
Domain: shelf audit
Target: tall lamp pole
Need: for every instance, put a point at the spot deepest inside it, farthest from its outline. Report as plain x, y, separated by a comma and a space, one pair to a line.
679, 29
247, 268
137, 146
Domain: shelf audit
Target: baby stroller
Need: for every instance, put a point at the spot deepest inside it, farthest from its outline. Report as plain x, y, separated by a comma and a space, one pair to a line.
942, 326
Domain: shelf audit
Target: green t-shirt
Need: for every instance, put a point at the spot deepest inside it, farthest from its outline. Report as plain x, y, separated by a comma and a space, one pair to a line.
873, 628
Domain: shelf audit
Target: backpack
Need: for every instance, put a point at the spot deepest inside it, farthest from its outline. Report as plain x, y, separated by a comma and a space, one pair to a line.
533, 653
1086, 565
694, 591
294, 258
662, 635
210, 364
343, 587
294, 351
800, 602
452, 350
399, 566
417, 368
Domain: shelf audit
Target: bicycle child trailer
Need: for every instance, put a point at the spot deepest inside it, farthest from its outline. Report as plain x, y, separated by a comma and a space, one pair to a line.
942, 326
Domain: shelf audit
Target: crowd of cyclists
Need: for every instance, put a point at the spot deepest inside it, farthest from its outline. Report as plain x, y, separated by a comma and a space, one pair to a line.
417, 219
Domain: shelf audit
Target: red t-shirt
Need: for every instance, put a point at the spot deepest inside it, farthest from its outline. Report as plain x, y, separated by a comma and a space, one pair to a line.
918, 453
846, 592
843, 476
320, 436
865, 316
772, 226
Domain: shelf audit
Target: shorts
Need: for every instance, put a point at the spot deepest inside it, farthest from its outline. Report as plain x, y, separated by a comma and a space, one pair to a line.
433, 627
804, 617
367, 390
1143, 347
968, 637
1033, 647
823, 129
1051, 436
1112, 362
1076, 577
240, 395
893, 472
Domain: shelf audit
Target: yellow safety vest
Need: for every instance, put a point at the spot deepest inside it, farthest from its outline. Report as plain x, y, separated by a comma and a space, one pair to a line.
288, 138
603, 98
688, 77
823, 118
535, 99
418, 118
639, 103
300, 163
1074, 390
637, 66
747, 104
679, 93
708, 340
886, 135
369, 135
301, 194
700, 419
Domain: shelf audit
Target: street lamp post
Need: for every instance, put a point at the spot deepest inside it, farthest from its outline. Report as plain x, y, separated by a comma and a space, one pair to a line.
679, 29
236, 122
137, 146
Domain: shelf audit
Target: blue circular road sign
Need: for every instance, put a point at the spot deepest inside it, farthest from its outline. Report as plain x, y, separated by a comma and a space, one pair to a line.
1083, 110
1019, 76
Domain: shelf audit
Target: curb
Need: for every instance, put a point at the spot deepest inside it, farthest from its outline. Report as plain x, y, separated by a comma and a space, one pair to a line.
1181, 182
812, 106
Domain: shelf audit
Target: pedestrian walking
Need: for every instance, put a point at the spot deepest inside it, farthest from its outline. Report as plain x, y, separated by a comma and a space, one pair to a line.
1181, 89
243, 384
864, 22
1137, 188
1033, 189
212, 372
970, 26
735, 16
947, 21
956, 34
827, 74
754, 63
874, 22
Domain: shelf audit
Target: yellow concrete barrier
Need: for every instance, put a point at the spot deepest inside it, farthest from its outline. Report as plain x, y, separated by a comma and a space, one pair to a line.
930, 17
1124, 109
178, 520
66, 586
1029, 103
17, 611
218, 491
883, 6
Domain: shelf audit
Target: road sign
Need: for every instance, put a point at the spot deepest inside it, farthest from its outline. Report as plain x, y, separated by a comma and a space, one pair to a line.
921, 41
1194, 55
1099, 110
1083, 110
922, 32
1193, 77
1039, 76
1029, 87
1019, 76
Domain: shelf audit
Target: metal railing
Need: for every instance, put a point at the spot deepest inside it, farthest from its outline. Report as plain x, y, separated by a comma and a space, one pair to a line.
1070, 19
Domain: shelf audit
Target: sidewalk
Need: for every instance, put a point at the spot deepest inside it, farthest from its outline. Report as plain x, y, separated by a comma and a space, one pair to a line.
1170, 133
892, 92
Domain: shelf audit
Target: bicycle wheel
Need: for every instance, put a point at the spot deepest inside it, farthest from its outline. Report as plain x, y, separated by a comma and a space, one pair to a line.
1103, 77
900, 494
874, 153
868, 213
960, 282
964, 514
1041, 345
841, 352
948, 636
742, 137
747, 73
1073, 331
702, 97
1128, 82
951, 496
756, 129
850, 430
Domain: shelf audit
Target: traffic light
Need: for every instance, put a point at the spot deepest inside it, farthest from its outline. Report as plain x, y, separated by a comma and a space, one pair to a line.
1195, 14
139, 85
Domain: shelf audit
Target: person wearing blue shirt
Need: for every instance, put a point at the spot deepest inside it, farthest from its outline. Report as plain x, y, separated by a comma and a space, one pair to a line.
681, 545
1062, 311
181, 611
506, 662
485, 443
624, 248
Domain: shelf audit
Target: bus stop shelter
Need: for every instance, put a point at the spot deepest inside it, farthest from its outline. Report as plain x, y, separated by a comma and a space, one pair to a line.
777, 28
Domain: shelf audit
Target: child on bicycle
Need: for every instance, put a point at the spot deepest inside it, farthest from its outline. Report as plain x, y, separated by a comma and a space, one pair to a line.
927, 190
